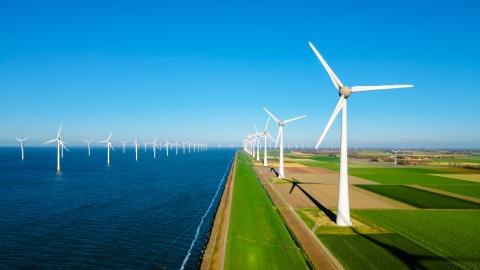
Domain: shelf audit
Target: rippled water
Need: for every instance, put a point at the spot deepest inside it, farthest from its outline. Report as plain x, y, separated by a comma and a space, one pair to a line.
127, 215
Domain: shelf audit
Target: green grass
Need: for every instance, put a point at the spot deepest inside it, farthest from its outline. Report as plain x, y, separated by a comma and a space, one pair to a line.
370, 248
382, 251
420, 198
451, 234
257, 237
467, 190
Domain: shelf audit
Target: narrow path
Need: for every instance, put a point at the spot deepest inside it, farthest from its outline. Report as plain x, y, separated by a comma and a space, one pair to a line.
316, 252
214, 255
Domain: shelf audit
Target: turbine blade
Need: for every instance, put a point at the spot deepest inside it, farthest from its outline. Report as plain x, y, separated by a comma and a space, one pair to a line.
273, 116
278, 136
293, 119
268, 134
54, 140
379, 87
330, 121
18, 139
266, 125
336, 82
63, 145
59, 130
109, 135
102, 142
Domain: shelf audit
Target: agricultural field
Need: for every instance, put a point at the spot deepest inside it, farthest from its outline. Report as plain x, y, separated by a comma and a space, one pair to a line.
438, 231
257, 237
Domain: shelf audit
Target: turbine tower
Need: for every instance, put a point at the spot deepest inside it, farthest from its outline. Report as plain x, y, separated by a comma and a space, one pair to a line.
281, 125
60, 143
22, 145
343, 210
265, 134
136, 149
88, 145
154, 147
109, 145
123, 147
395, 153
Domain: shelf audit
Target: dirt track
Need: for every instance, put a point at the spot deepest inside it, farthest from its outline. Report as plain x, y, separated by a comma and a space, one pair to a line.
214, 255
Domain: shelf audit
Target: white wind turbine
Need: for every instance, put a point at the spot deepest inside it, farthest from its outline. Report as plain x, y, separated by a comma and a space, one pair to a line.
136, 149
183, 144
343, 210
123, 147
109, 145
22, 145
265, 134
257, 143
166, 145
88, 145
154, 147
60, 144
176, 148
395, 152
281, 124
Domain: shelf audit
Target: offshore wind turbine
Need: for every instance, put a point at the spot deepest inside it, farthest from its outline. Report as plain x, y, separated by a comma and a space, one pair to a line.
154, 147
166, 145
109, 145
176, 148
136, 149
343, 210
281, 125
183, 144
88, 145
60, 143
123, 147
22, 145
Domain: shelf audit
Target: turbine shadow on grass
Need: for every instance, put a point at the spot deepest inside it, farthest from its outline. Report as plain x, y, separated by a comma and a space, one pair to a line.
332, 216
412, 261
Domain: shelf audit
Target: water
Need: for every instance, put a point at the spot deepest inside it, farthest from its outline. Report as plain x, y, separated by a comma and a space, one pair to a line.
129, 215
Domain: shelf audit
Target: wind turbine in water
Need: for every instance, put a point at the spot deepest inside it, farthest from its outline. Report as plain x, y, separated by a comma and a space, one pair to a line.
136, 149
343, 210
281, 125
109, 145
60, 143
123, 147
88, 145
22, 145
154, 147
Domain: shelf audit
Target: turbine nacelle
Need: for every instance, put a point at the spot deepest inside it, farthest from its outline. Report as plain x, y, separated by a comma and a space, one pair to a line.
345, 91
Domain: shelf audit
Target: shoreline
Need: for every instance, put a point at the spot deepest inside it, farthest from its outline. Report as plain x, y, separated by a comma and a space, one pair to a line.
213, 256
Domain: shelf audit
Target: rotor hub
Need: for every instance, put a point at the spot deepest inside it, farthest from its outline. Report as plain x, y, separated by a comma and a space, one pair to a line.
345, 91
281, 124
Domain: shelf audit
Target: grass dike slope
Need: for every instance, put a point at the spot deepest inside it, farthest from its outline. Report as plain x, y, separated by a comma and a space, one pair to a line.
257, 237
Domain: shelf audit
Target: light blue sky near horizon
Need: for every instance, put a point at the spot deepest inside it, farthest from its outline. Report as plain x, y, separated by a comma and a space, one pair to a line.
203, 70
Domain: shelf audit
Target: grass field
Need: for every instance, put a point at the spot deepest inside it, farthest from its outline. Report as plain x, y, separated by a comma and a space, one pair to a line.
453, 234
420, 198
257, 237
467, 190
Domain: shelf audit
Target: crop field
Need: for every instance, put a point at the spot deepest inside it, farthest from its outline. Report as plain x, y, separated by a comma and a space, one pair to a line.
420, 198
404, 239
452, 234
467, 190
257, 237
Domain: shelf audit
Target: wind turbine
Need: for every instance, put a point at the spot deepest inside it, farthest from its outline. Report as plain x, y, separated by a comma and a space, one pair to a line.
154, 147
123, 147
136, 149
183, 144
166, 145
88, 145
60, 143
395, 152
22, 144
257, 142
109, 145
281, 124
176, 148
265, 134
343, 210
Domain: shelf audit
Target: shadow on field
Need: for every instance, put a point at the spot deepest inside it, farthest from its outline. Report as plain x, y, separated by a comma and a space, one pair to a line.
412, 261
332, 216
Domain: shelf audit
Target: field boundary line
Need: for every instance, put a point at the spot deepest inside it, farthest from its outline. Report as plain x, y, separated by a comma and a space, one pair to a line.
446, 193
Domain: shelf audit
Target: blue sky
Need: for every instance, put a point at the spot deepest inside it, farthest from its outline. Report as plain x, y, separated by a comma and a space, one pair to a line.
202, 70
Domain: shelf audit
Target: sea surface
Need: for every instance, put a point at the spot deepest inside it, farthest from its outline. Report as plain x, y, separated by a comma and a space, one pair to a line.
129, 215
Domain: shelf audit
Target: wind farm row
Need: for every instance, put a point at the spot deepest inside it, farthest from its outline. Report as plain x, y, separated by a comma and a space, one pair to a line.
252, 140
156, 144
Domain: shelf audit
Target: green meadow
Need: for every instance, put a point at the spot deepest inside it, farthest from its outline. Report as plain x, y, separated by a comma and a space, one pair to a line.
420, 198
257, 236
404, 239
